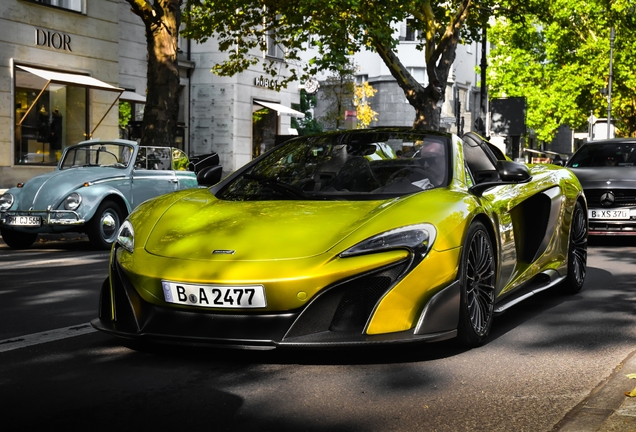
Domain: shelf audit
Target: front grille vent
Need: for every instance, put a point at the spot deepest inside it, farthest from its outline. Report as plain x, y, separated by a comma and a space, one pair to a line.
622, 197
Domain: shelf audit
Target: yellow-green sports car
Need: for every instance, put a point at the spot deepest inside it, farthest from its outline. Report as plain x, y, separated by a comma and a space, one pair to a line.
335, 240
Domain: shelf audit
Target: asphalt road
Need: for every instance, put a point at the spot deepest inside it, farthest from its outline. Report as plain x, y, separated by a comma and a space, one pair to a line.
545, 360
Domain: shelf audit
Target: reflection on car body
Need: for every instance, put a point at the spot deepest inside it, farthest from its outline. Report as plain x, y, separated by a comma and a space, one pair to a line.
314, 244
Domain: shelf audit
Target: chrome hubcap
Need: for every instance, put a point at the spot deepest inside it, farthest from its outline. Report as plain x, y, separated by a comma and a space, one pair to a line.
110, 225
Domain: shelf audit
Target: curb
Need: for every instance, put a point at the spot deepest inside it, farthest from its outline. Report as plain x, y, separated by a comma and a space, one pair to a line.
606, 408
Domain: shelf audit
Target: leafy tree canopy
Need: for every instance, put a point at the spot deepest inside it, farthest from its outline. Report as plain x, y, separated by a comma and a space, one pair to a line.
337, 29
557, 55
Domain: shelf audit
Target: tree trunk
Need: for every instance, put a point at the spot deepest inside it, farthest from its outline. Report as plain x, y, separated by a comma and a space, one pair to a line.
162, 20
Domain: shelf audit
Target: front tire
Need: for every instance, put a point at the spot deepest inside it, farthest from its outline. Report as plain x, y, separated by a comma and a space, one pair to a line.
104, 226
577, 252
18, 240
477, 287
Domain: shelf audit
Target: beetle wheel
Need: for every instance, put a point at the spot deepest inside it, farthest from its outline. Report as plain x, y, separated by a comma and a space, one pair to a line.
477, 281
17, 239
104, 226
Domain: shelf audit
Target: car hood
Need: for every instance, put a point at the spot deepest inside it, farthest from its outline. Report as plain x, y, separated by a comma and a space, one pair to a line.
598, 177
50, 188
195, 227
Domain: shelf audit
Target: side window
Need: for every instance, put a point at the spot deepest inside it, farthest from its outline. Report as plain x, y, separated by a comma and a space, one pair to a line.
479, 163
469, 177
158, 158
179, 160
140, 161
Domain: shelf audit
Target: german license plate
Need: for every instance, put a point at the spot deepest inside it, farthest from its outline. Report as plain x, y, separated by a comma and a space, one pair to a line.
23, 220
215, 296
616, 214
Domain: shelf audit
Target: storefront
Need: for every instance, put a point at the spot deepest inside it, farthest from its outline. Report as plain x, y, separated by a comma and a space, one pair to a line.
55, 109
266, 131
59, 80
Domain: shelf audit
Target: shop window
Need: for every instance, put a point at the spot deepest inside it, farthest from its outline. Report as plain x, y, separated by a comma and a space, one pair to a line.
73, 5
54, 110
273, 48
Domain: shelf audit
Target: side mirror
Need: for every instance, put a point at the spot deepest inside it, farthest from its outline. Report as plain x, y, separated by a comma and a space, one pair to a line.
509, 173
513, 172
210, 175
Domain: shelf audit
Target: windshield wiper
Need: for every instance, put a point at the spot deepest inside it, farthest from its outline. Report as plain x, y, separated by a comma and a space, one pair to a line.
277, 185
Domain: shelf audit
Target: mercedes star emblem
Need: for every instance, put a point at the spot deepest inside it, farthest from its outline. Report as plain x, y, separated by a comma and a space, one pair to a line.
607, 199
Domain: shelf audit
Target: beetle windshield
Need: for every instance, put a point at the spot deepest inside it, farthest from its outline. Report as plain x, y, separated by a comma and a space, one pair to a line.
102, 155
350, 165
604, 154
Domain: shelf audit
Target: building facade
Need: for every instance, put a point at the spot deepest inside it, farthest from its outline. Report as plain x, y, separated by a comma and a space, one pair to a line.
76, 69
461, 105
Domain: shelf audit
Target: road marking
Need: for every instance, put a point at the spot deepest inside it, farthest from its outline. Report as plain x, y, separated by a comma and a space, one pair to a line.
65, 261
44, 337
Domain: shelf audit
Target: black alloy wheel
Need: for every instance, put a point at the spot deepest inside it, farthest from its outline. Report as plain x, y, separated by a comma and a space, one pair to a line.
477, 285
577, 252
17, 239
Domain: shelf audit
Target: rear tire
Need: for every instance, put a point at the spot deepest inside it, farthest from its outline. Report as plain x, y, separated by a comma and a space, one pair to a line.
102, 229
17, 239
477, 287
577, 253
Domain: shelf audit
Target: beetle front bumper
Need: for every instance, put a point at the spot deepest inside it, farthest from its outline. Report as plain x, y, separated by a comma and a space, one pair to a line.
39, 218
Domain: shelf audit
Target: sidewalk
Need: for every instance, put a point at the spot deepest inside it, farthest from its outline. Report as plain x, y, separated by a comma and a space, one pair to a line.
606, 408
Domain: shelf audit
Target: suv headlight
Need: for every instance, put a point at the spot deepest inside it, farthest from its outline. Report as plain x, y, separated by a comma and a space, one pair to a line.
6, 201
417, 238
72, 201
126, 236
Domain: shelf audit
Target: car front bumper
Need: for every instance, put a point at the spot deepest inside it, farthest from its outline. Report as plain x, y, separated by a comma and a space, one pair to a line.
337, 317
24, 219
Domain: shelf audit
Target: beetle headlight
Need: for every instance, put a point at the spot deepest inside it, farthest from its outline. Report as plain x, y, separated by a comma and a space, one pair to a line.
72, 201
418, 238
126, 236
6, 201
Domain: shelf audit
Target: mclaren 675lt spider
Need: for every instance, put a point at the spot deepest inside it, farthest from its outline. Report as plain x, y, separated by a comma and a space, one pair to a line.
348, 238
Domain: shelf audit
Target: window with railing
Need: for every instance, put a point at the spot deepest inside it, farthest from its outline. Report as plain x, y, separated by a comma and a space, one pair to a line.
72, 5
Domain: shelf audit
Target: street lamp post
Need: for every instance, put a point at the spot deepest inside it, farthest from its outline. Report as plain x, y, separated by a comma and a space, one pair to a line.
609, 84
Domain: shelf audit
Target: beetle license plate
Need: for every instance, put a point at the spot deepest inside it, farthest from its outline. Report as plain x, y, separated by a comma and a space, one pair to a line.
215, 296
23, 221
614, 214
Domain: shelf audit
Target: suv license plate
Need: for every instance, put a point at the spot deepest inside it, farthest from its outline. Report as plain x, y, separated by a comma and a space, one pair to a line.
616, 214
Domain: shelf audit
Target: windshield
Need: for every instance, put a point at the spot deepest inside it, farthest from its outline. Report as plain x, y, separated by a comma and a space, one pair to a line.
109, 155
350, 165
604, 154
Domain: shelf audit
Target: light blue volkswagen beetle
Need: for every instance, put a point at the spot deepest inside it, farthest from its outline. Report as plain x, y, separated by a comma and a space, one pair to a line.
95, 186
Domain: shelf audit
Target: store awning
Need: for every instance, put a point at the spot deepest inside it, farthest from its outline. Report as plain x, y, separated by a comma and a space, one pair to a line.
281, 109
128, 96
69, 78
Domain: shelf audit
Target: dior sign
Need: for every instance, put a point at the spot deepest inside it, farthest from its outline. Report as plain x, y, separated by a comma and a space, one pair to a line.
52, 39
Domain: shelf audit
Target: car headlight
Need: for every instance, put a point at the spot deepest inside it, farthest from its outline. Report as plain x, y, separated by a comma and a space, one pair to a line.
72, 201
6, 201
126, 236
418, 238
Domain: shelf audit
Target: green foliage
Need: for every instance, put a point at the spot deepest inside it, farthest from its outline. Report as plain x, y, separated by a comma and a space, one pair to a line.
336, 29
125, 114
338, 92
307, 125
557, 56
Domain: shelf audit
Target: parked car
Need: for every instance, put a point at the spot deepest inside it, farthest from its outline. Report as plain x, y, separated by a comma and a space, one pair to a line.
94, 187
607, 171
314, 245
